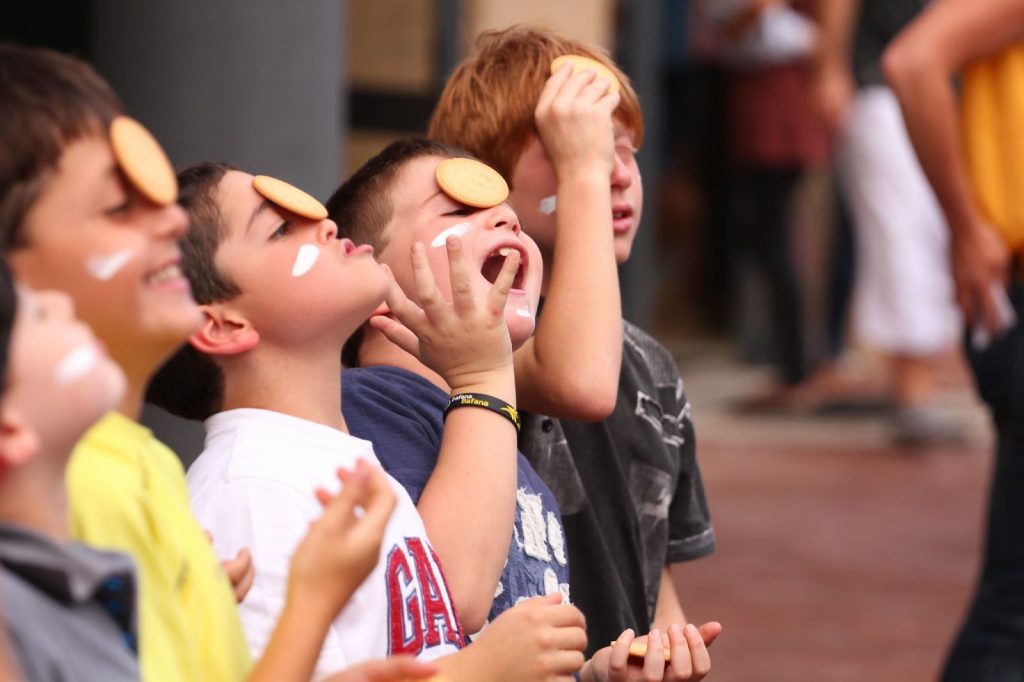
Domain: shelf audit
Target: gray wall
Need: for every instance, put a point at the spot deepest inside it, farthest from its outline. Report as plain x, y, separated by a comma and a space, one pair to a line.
256, 83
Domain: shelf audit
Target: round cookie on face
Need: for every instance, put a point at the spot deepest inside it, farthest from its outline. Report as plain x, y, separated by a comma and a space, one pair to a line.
289, 197
471, 182
143, 161
581, 63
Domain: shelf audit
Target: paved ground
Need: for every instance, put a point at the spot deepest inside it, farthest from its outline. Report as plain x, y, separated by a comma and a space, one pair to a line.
840, 558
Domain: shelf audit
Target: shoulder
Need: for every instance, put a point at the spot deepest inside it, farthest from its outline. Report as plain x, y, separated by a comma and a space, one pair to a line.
645, 360
379, 401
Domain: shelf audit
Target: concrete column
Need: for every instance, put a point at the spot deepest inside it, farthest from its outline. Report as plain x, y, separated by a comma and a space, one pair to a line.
256, 83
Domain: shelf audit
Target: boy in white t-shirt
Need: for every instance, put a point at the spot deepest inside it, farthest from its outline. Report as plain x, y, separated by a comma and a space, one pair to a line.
280, 295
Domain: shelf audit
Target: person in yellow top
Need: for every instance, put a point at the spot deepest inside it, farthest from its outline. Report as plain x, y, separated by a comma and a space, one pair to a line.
127, 491
973, 159
87, 207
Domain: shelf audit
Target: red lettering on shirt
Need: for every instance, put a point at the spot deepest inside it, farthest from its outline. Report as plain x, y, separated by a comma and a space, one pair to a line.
406, 623
419, 604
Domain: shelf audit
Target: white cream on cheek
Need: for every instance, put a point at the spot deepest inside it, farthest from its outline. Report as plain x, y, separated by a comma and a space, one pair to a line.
548, 205
305, 259
78, 362
456, 230
104, 268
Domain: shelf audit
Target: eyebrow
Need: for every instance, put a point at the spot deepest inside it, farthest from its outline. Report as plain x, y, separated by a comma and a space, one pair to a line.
264, 205
433, 196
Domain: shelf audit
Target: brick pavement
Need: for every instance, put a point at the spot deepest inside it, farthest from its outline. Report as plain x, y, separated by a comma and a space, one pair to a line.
840, 558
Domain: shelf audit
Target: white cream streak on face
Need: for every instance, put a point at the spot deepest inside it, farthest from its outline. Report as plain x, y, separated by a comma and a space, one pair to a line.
304, 259
456, 230
76, 364
105, 267
548, 205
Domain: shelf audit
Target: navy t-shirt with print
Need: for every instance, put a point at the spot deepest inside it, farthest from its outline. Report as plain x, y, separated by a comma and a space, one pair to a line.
401, 414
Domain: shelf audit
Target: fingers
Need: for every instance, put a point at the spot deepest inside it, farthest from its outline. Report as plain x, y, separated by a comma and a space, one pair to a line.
498, 295
398, 669
699, 656
552, 86
462, 288
618, 660
709, 632
240, 572
681, 666
427, 293
397, 333
404, 310
654, 659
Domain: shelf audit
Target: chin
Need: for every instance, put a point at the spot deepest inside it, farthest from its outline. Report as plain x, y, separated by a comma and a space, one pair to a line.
519, 328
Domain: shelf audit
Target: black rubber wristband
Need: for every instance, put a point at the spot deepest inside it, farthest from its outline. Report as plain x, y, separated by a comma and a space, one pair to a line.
488, 402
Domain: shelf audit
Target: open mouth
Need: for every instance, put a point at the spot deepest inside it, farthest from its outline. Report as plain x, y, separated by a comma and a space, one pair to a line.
492, 265
168, 273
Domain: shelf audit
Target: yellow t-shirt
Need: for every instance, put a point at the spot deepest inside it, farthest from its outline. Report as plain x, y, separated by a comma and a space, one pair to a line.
992, 108
127, 491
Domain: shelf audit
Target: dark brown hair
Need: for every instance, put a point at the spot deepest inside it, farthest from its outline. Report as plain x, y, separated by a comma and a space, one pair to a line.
362, 206
190, 384
47, 101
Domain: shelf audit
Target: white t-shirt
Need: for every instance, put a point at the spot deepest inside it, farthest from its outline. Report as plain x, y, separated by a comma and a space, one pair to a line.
253, 485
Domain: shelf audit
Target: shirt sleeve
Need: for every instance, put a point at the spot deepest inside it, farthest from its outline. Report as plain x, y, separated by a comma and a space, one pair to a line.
403, 419
690, 534
271, 519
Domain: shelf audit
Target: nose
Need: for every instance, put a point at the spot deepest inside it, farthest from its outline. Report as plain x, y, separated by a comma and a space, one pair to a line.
170, 221
57, 304
622, 175
504, 217
327, 230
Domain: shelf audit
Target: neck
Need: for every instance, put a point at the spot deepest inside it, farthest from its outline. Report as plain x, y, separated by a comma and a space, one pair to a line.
305, 385
34, 496
377, 350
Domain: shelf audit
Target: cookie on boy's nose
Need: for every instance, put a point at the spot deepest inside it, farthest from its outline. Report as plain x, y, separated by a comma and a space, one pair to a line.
471, 182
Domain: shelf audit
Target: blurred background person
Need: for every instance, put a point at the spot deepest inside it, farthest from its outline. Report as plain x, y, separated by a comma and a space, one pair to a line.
973, 161
903, 303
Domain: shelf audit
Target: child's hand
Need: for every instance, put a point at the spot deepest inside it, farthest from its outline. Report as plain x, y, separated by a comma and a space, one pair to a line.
574, 119
690, 659
240, 572
342, 546
465, 340
397, 669
538, 639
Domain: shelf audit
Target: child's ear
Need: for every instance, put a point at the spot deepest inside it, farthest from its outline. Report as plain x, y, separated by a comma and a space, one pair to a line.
18, 441
224, 332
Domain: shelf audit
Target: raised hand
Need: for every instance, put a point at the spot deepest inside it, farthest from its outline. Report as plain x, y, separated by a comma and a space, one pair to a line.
465, 340
343, 545
574, 119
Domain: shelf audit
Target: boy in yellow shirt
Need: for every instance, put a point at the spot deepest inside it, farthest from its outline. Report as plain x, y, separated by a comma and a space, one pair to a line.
86, 206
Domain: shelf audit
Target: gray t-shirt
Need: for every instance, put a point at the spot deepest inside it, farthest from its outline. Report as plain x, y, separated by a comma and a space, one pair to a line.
69, 609
629, 489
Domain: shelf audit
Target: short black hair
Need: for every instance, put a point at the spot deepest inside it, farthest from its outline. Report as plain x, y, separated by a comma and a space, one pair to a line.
362, 206
190, 384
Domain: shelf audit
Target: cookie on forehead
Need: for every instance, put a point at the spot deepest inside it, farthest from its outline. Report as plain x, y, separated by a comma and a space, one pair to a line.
471, 182
289, 197
581, 63
143, 161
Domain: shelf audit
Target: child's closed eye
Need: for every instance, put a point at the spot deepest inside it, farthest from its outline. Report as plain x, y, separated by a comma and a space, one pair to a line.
461, 211
282, 231
121, 208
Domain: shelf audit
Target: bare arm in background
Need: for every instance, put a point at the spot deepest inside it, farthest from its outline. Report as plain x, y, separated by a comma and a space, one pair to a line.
920, 64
